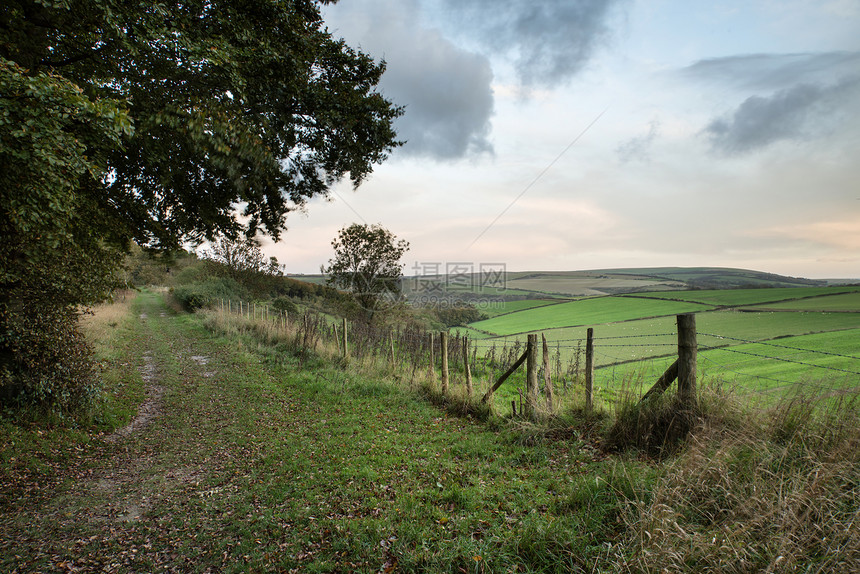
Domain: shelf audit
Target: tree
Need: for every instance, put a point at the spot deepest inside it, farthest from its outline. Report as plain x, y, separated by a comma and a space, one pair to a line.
367, 263
242, 256
247, 102
53, 257
242, 260
163, 123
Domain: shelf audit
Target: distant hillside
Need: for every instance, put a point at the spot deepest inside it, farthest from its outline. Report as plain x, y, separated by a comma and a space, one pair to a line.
564, 284
719, 277
528, 284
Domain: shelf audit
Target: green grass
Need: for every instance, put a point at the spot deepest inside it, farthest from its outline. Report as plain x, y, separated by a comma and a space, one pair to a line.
260, 460
583, 312
652, 337
740, 297
846, 302
648, 346
826, 360
496, 308
816, 364
263, 459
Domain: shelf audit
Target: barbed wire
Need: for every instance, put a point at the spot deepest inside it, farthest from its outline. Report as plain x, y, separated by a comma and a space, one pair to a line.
804, 363
745, 391
639, 346
416, 342
635, 336
724, 367
769, 344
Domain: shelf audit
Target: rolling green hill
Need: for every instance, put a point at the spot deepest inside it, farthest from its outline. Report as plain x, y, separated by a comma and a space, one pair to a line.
519, 285
752, 337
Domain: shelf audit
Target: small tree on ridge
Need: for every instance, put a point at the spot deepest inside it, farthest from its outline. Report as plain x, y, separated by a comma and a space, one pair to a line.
367, 263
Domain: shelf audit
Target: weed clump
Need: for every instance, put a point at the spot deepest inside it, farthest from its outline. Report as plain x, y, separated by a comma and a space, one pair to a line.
779, 494
658, 426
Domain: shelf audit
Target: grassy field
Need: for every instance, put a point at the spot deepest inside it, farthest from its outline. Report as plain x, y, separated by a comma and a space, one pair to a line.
650, 337
584, 283
249, 454
599, 282
583, 312
846, 302
620, 338
821, 364
258, 460
496, 308
738, 297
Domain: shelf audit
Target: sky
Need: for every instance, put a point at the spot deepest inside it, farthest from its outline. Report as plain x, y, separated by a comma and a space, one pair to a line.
591, 134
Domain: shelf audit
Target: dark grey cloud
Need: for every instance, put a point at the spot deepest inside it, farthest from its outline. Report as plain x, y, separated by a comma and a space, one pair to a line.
448, 100
445, 89
548, 40
788, 97
775, 71
638, 148
797, 113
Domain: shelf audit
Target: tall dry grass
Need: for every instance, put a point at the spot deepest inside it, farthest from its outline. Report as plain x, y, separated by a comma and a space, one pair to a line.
781, 493
99, 322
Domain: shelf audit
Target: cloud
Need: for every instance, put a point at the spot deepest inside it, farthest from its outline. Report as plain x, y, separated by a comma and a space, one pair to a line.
445, 89
448, 101
638, 148
788, 97
774, 71
760, 121
841, 234
549, 41
797, 113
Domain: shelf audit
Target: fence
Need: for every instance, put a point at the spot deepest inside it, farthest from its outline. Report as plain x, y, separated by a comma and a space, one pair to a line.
484, 366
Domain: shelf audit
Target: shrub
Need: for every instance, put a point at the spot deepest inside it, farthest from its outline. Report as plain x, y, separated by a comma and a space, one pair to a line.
47, 362
285, 305
458, 314
198, 295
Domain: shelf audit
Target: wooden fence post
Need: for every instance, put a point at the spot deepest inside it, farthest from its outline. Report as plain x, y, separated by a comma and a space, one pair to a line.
547, 377
531, 375
589, 370
466, 367
443, 342
432, 357
687, 348
336, 337
489, 394
663, 382
345, 348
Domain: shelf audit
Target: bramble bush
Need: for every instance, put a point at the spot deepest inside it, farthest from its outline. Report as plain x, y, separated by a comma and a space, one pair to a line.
201, 294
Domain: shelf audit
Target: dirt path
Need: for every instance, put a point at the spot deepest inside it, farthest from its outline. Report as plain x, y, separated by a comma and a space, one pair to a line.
151, 406
97, 513
245, 458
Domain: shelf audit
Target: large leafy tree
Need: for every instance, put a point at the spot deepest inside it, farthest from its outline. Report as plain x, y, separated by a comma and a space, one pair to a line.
367, 263
245, 103
161, 123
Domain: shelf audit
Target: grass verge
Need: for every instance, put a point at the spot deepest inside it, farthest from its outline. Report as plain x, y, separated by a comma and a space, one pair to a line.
258, 456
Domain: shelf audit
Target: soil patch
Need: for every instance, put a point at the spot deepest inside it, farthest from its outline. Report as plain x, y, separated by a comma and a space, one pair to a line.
151, 406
